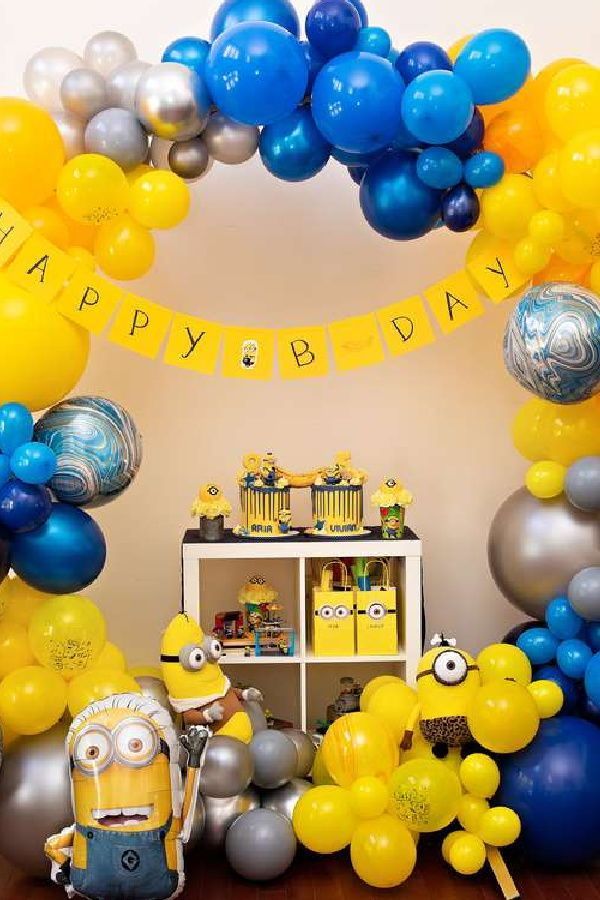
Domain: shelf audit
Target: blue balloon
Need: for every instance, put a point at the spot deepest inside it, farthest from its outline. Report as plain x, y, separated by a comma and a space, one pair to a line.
572, 657
314, 61
374, 40
562, 620
437, 107
294, 149
233, 12
439, 168
188, 51
484, 169
357, 173
571, 689
356, 102
355, 159
516, 631
33, 463
393, 55
460, 208
362, 12
5, 470
66, 554
592, 635
471, 139
23, 507
592, 679
394, 200
422, 56
332, 27
495, 64
539, 645
257, 73
590, 711
16, 426
554, 787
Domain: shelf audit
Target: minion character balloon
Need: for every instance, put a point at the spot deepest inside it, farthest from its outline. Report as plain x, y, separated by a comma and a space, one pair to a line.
131, 814
198, 687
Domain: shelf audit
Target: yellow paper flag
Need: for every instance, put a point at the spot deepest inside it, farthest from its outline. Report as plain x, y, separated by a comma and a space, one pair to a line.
454, 301
248, 353
193, 344
89, 300
302, 352
490, 262
41, 268
356, 342
14, 231
405, 325
141, 325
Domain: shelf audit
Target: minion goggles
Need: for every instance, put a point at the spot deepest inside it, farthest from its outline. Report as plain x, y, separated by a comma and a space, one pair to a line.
133, 743
193, 657
449, 668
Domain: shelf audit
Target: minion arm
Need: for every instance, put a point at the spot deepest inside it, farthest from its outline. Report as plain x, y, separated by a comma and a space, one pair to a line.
196, 743
57, 843
410, 727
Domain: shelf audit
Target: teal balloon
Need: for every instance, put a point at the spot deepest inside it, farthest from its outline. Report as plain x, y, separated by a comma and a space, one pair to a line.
294, 149
437, 107
394, 200
439, 168
233, 12
495, 64
16, 426
188, 51
374, 40
484, 169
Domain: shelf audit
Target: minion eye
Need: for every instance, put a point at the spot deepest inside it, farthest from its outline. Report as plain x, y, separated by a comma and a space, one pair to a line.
450, 668
391, 482
136, 742
192, 658
92, 750
342, 612
213, 491
376, 611
213, 649
327, 612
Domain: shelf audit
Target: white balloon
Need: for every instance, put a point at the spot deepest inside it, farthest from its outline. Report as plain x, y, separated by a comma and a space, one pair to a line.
44, 74
72, 132
108, 50
122, 84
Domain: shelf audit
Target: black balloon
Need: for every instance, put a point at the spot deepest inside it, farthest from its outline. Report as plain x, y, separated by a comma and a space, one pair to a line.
512, 636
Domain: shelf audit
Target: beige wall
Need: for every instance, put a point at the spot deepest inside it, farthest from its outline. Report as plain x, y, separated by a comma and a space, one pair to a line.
260, 251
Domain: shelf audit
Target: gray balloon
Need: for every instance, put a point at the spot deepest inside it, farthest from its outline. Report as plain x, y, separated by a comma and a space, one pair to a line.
274, 757
154, 689
260, 845
582, 484
171, 102
584, 594
35, 798
189, 159
108, 50
44, 74
536, 546
83, 93
283, 800
72, 132
121, 84
197, 827
158, 154
116, 133
227, 769
257, 716
228, 141
221, 812
305, 749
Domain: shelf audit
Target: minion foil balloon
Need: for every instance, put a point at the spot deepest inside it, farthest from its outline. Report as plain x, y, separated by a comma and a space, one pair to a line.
131, 814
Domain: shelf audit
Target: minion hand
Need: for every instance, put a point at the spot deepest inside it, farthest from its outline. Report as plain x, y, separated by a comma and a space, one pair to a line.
194, 741
214, 712
252, 694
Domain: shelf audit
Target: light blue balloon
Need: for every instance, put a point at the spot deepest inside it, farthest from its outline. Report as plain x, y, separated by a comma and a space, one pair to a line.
437, 107
439, 168
484, 169
562, 620
257, 73
233, 12
188, 51
5, 471
572, 657
539, 645
592, 679
294, 149
394, 201
495, 64
33, 463
16, 426
374, 40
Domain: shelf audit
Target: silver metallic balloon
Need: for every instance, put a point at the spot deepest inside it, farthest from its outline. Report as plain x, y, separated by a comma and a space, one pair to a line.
83, 93
116, 133
275, 759
584, 594
305, 749
122, 83
44, 74
536, 546
172, 102
35, 798
221, 812
227, 769
257, 716
228, 141
72, 132
582, 484
260, 845
108, 50
197, 826
283, 800
189, 159
158, 154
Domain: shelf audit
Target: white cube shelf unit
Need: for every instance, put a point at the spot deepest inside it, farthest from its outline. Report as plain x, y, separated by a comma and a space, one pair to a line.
302, 684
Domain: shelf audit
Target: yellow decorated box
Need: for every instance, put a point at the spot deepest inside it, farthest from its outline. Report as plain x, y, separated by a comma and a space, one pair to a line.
334, 620
377, 617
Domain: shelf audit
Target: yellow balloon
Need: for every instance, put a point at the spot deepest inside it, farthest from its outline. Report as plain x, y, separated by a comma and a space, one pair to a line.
383, 852
15, 652
373, 685
448, 842
508, 206
7, 735
93, 189
422, 749
159, 199
595, 277
50, 225
547, 187
32, 699
359, 744
480, 775
145, 671
97, 684
548, 697
579, 169
67, 633
499, 826
392, 705
18, 601
503, 717
547, 227
31, 153
111, 657
425, 794
467, 854
319, 773
543, 430
573, 100
124, 249
531, 257
136, 173
369, 797
499, 661
83, 257
43, 354
546, 479
81, 234
323, 819
541, 83
470, 811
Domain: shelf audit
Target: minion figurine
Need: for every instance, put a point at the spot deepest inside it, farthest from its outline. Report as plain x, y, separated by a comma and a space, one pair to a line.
197, 686
131, 814
447, 681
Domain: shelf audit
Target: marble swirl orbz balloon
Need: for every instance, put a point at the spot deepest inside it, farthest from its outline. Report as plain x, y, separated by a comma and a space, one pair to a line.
552, 342
98, 447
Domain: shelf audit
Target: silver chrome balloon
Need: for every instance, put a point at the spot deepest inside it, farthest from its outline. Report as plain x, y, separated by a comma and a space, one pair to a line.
260, 845
158, 154
116, 133
72, 132
283, 800
171, 102
189, 159
536, 546
275, 759
584, 594
44, 74
122, 83
230, 142
227, 769
221, 812
582, 484
83, 93
108, 50
305, 749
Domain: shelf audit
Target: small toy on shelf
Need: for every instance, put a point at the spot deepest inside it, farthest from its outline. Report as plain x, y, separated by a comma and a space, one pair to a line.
212, 508
256, 595
337, 499
264, 499
392, 498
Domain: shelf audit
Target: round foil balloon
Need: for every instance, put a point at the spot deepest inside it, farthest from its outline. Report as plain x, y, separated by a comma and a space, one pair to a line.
98, 447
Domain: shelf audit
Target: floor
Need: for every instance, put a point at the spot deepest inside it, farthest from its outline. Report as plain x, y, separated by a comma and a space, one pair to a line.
331, 878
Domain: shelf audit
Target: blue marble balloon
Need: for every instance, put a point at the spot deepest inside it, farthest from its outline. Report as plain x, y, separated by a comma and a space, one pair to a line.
552, 342
98, 449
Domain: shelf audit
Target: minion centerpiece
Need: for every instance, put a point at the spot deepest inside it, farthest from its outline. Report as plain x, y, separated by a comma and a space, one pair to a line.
131, 815
198, 687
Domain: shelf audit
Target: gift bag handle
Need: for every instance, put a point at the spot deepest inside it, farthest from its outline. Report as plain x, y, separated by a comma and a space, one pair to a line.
332, 562
385, 571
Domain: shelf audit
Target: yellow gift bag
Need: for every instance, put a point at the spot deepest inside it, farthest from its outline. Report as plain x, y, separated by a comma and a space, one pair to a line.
376, 616
333, 632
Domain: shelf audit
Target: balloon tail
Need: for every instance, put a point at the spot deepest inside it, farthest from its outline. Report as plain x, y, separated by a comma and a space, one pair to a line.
502, 875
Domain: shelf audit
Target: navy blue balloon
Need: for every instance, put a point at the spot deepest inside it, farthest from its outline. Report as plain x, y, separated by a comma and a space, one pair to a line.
233, 12
592, 635
484, 169
5, 470
394, 200
422, 56
374, 40
356, 102
471, 139
16, 426
188, 51
592, 679
439, 168
554, 787
33, 463
23, 507
314, 61
355, 159
590, 711
495, 64
571, 690
460, 208
257, 73
437, 107
332, 27
293, 148
362, 12
357, 173
66, 554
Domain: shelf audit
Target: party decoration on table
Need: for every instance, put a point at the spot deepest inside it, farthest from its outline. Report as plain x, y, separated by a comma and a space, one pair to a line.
392, 498
211, 507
